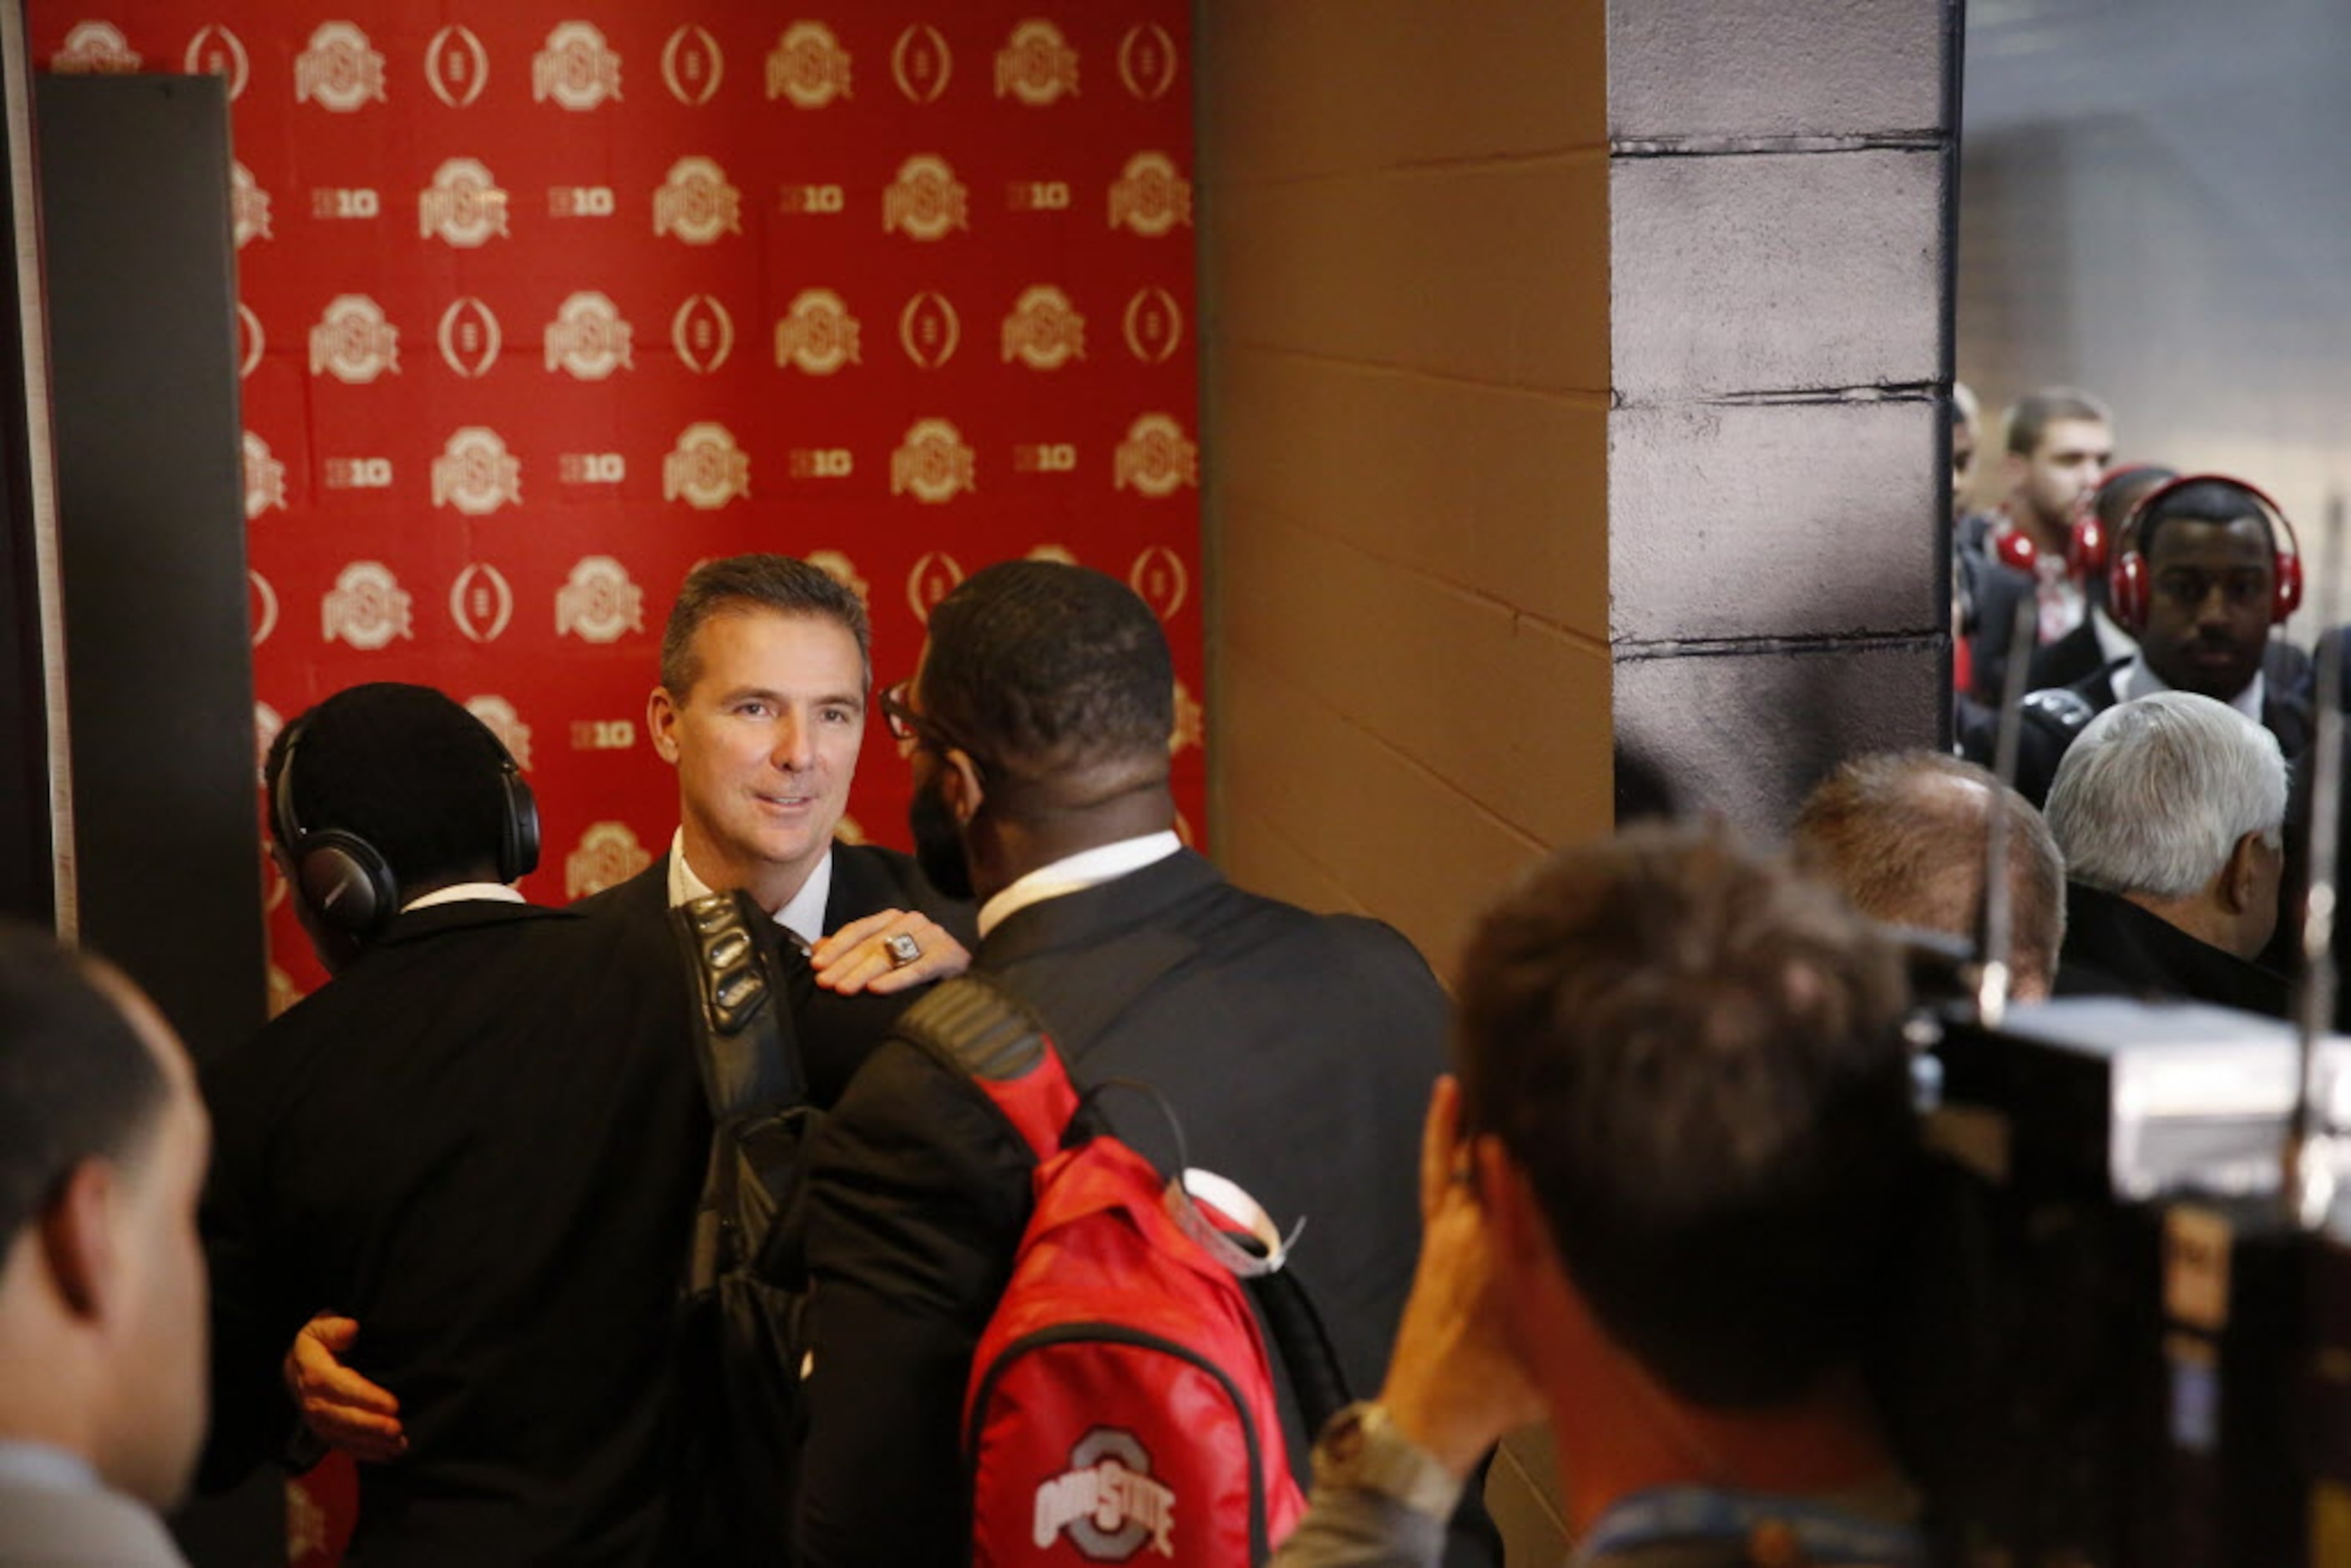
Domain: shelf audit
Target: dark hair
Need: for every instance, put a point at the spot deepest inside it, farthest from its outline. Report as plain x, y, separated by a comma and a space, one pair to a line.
1044, 669
2121, 489
1889, 832
2030, 417
76, 1082
1694, 1055
785, 584
2218, 499
405, 768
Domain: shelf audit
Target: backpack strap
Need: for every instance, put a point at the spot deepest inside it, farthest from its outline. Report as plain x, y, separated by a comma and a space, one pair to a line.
981, 1031
738, 1034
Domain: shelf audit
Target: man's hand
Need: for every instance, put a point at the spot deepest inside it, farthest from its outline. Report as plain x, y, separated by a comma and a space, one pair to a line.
342, 1410
1453, 1385
857, 957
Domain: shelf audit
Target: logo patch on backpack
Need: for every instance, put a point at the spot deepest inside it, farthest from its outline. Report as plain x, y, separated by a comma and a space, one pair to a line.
1106, 1501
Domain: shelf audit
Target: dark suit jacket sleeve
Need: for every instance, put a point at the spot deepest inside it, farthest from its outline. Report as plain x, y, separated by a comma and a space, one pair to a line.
918, 1194
255, 1315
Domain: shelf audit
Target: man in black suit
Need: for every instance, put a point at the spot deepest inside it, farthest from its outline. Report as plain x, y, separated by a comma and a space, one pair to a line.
480, 1146
1296, 1049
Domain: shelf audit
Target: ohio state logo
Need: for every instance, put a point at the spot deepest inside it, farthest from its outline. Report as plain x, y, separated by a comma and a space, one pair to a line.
1036, 65
1044, 330
706, 469
474, 475
576, 69
456, 66
266, 722
1150, 198
216, 51
929, 330
920, 63
481, 603
498, 716
95, 48
261, 606
703, 333
588, 341
935, 576
1106, 1502
469, 337
250, 341
607, 856
817, 334
839, 568
1155, 459
1159, 580
692, 66
809, 67
366, 608
353, 342
1191, 721
599, 603
932, 464
339, 72
1153, 325
1061, 555
1147, 61
248, 205
265, 478
697, 203
926, 202
463, 204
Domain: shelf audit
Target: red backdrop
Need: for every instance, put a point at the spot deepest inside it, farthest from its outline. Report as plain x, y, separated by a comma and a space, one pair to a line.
542, 304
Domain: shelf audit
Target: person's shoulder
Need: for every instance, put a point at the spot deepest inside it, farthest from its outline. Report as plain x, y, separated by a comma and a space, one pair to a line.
647, 890
55, 1525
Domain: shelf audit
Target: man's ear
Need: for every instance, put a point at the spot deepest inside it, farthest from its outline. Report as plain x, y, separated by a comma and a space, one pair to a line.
661, 724
77, 1239
962, 786
2241, 876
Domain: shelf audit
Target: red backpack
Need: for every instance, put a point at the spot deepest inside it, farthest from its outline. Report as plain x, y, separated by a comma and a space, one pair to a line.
1122, 1405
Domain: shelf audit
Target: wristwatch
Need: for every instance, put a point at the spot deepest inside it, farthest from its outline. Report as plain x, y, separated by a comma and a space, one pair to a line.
1363, 1447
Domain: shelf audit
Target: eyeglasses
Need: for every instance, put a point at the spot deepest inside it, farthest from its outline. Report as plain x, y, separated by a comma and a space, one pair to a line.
906, 725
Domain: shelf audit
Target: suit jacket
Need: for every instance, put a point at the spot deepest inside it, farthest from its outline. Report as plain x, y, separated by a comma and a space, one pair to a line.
484, 1141
1297, 1052
2114, 948
77, 1527
836, 1032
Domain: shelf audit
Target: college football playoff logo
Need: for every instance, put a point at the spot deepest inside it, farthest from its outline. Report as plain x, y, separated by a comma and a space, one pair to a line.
1036, 65
469, 337
339, 72
706, 469
1154, 325
817, 334
481, 603
576, 69
456, 66
926, 202
599, 603
474, 475
587, 340
935, 576
697, 203
608, 856
1044, 330
1159, 580
703, 333
250, 341
1147, 61
95, 48
1106, 1502
366, 608
921, 64
463, 205
929, 330
216, 51
261, 605
353, 342
692, 66
1156, 460
809, 67
932, 464
265, 478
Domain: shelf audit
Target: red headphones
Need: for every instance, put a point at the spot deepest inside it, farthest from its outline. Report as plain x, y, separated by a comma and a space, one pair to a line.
2087, 549
2129, 589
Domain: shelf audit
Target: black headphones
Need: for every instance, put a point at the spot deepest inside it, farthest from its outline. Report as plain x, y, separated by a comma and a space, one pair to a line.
345, 882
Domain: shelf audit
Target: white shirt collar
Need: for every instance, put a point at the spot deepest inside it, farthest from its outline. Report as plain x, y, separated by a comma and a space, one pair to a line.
802, 914
495, 892
1074, 874
2135, 680
2114, 643
44, 1465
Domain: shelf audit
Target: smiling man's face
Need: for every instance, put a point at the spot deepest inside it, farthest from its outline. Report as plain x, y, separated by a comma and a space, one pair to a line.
764, 742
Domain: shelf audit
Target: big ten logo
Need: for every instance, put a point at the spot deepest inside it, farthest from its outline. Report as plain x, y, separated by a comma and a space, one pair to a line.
265, 478
581, 201
932, 464
1150, 197
357, 473
1045, 457
921, 63
1156, 460
463, 205
1154, 325
697, 203
1036, 65
821, 462
95, 48
703, 333
1147, 61
692, 66
1037, 197
341, 71
812, 201
809, 67
926, 202
342, 202
353, 342
934, 576
598, 603
367, 608
602, 733
1160, 579
591, 469
929, 330
1044, 330
576, 69
216, 51
456, 66
248, 205
587, 340
499, 717
475, 475
818, 335
481, 601
469, 337
705, 469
